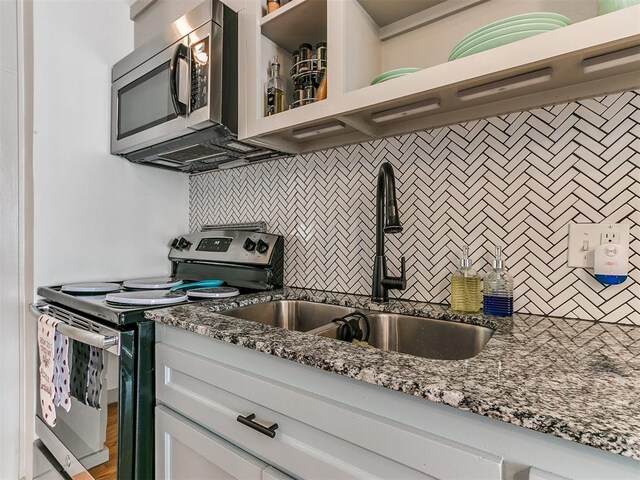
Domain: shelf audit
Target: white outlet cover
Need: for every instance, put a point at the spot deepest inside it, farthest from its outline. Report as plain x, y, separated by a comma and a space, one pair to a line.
592, 234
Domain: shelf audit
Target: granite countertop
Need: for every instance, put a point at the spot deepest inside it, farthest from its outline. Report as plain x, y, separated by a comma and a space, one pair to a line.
575, 379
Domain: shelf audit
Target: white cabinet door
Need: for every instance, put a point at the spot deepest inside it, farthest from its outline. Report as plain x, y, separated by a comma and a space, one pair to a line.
186, 451
271, 473
537, 474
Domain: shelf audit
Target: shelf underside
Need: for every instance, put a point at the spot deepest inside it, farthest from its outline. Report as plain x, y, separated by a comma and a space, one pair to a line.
385, 12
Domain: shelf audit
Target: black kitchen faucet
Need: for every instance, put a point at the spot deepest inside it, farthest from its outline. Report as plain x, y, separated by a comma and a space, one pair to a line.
387, 221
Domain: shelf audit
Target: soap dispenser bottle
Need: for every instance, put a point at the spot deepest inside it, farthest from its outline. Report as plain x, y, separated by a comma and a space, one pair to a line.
498, 289
466, 286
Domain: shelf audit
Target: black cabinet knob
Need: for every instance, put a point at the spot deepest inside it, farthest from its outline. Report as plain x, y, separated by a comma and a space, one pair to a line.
262, 247
249, 245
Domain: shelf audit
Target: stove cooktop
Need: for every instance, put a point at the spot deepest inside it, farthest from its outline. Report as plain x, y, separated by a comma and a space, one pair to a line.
97, 305
251, 261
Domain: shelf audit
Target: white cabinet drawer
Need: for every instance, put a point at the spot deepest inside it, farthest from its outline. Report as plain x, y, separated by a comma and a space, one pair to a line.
185, 451
315, 437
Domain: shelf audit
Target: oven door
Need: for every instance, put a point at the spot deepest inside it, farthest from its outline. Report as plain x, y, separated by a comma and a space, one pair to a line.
79, 440
150, 104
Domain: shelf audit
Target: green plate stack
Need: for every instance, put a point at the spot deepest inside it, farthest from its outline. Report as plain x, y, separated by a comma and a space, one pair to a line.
608, 6
508, 30
391, 74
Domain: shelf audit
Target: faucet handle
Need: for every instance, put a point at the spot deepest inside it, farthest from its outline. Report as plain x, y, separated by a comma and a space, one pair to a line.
397, 283
403, 273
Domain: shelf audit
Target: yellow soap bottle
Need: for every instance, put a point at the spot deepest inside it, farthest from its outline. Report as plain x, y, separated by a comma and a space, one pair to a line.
466, 286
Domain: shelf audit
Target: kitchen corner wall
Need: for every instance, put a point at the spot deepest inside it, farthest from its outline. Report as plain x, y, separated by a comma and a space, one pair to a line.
97, 216
516, 180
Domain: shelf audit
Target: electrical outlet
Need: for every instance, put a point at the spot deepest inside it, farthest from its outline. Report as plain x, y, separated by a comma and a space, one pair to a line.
610, 237
585, 237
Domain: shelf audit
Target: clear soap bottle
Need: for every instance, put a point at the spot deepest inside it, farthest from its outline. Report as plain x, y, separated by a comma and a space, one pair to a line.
466, 286
274, 91
498, 289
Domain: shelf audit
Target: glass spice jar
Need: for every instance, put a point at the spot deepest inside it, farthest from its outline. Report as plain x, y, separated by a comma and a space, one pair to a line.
298, 96
309, 92
272, 5
321, 55
295, 58
306, 58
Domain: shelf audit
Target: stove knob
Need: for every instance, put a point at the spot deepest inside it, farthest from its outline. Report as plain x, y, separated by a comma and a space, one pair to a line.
249, 245
184, 243
175, 243
262, 247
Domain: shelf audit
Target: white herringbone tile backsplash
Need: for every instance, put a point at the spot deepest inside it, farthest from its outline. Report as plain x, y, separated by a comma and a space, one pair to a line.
516, 180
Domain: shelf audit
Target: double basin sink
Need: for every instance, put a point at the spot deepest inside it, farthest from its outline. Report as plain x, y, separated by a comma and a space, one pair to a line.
419, 336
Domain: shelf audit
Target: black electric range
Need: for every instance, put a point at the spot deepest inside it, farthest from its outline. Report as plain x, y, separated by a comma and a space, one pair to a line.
248, 261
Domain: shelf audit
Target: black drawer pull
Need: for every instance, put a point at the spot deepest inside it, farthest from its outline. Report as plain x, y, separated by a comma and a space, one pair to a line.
248, 421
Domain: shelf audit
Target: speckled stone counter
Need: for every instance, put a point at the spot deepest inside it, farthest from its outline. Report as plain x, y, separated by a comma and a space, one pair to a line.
575, 379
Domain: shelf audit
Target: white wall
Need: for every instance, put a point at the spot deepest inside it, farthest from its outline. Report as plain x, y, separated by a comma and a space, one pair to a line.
11, 396
97, 216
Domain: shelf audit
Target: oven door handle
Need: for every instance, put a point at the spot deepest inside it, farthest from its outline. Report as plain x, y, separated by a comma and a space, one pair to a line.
103, 342
174, 74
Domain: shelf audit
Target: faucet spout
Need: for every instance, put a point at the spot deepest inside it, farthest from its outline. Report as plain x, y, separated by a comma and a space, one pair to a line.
387, 221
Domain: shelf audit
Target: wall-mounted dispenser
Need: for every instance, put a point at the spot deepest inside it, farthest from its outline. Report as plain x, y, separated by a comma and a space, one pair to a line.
611, 264
601, 247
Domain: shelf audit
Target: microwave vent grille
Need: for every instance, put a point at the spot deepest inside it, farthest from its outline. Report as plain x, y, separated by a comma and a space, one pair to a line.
196, 152
206, 165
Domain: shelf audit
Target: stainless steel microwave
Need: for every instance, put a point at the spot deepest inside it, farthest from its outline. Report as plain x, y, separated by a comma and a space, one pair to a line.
174, 100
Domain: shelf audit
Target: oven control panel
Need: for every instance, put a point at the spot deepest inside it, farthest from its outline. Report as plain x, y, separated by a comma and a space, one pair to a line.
227, 246
214, 244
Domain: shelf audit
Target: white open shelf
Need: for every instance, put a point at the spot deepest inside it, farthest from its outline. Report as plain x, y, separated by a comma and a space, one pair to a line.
296, 22
395, 18
425, 39
553, 67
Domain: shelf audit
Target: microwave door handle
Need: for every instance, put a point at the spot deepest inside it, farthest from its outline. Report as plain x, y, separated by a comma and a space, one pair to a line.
174, 77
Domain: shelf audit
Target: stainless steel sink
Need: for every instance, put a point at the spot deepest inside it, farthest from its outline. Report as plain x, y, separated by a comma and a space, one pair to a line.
419, 336
426, 337
290, 314
422, 337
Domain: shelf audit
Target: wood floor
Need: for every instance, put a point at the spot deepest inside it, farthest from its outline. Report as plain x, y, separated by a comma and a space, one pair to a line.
109, 470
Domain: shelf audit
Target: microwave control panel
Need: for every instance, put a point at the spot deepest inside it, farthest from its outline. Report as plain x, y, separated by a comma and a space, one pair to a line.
199, 74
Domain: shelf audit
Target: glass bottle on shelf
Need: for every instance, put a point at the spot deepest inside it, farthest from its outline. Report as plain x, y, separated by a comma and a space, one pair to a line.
274, 91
